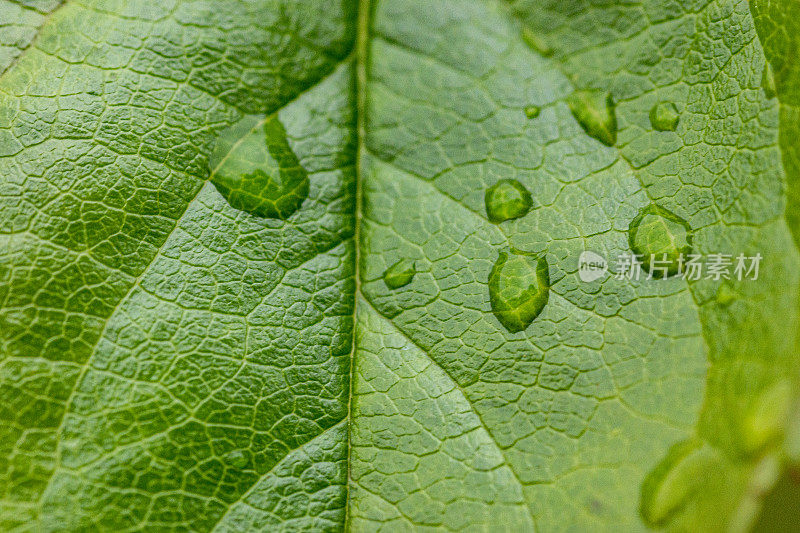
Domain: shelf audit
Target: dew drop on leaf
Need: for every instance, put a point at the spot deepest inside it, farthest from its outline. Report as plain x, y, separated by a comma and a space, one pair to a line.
399, 274
660, 235
260, 174
507, 199
519, 287
536, 42
595, 111
532, 111
664, 116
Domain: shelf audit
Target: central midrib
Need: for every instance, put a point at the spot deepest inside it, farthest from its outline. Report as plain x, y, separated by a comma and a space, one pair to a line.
364, 18
362, 49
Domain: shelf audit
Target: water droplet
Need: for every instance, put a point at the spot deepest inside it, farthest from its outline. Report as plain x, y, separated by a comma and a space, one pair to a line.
595, 111
507, 199
768, 416
519, 287
664, 116
236, 458
532, 111
660, 235
768, 82
536, 42
669, 486
399, 274
257, 171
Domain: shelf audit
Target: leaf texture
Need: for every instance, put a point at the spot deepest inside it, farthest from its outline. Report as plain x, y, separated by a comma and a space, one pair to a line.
171, 362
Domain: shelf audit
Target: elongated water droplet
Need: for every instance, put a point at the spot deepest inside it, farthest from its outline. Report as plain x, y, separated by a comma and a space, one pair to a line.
664, 116
532, 111
399, 274
595, 111
507, 199
661, 238
668, 487
519, 287
536, 42
768, 82
257, 171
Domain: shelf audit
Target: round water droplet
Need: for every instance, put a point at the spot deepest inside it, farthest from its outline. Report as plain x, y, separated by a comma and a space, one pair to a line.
595, 111
519, 287
536, 42
664, 116
236, 458
532, 111
399, 274
258, 172
662, 239
507, 199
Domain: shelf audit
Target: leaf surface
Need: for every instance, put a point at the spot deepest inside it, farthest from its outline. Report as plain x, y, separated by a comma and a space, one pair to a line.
179, 350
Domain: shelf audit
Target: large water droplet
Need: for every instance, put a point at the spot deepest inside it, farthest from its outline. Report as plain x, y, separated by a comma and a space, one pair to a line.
257, 171
669, 486
661, 238
519, 287
399, 274
507, 199
536, 42
595, 111
664, 116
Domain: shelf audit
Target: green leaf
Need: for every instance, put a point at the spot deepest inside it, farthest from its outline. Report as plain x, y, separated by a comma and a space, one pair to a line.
20, 20
164, 353
258, 265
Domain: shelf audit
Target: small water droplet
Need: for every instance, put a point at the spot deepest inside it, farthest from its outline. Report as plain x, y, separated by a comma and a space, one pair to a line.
664, 116
507, 199
260, 173
536, 42
768, 82
660, 235
669, 486
399, 274
595, 111
236, 458
532, 111
519, 287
